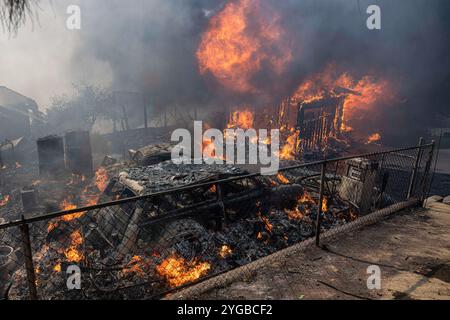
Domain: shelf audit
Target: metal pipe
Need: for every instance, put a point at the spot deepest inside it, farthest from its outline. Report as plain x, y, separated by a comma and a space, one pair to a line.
223, 218
28, 255
413, 178
319, 205
427, 172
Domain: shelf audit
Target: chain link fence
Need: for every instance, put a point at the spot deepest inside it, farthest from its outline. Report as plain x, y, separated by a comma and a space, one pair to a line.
149, 246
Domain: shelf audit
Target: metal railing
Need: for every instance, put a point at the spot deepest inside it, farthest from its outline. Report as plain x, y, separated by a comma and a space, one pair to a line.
148, 246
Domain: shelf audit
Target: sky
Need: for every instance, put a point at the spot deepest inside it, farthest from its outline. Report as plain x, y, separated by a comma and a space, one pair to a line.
42, 60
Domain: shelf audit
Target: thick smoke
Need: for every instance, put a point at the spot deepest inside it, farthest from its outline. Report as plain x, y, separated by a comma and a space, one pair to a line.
150, 46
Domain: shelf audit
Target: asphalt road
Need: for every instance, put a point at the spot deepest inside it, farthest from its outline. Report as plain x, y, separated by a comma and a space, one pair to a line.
443, 165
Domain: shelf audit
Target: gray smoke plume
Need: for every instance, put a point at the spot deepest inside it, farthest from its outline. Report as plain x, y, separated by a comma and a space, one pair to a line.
150, 46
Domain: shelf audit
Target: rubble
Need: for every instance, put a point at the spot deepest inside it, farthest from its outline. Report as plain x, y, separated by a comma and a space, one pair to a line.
167, 175
121, 246
434, 198
152, 154
446, 200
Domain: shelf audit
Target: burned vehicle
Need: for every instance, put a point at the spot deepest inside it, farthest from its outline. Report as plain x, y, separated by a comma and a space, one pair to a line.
168, 226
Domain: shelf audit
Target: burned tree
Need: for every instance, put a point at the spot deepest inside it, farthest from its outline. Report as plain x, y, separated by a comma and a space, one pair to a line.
13, 13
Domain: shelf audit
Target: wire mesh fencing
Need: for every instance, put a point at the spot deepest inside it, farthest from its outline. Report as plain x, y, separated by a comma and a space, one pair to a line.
148, 246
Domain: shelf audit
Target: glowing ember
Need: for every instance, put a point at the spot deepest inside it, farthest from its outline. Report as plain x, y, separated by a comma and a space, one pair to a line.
295, 214
37, 272
374, 138
101, 179
225, 251
369, 93
282, 179
267, 223
273, 182
134, 266
87, 199
243, 119
67, 205
177, 271
57, 268
4, 200
233, 52
305, 198
320, 85
72, 254
324, 205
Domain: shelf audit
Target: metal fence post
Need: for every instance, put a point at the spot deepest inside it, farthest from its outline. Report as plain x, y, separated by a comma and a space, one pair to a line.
223, 218
427, 171
319, 206
413, 178
28, 256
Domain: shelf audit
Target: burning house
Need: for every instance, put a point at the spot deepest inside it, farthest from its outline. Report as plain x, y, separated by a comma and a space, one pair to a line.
139, 225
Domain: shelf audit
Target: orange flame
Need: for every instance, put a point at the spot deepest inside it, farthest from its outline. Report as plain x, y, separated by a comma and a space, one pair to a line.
294, 214
324, 205
289, 149
243, 119
101, 179
178, 271
64, 206
134, 266
374, 138
306, 198
225, 251
57, 268
72, 254
267, 224
213, 189
282, 178
233, 53
67, 205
